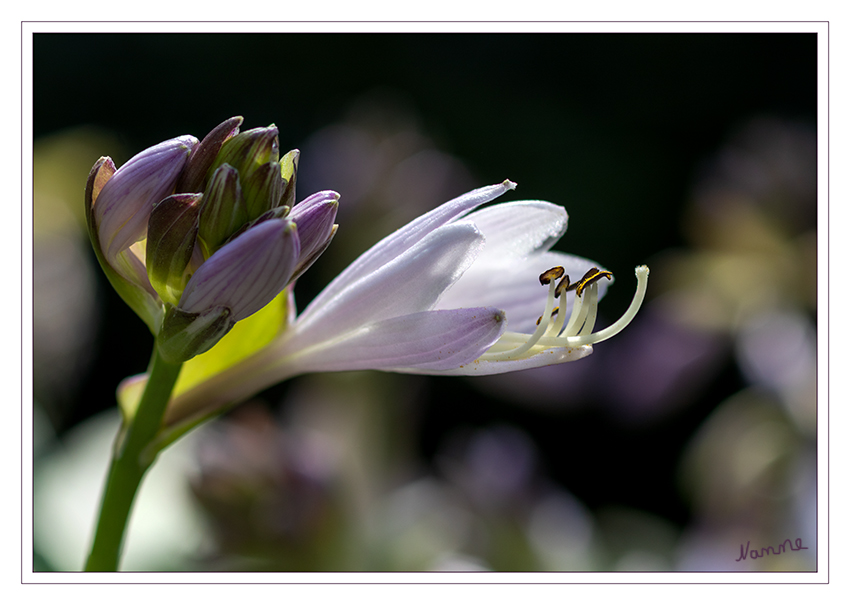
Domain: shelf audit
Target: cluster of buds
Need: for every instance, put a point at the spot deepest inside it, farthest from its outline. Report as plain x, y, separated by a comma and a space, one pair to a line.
196, 236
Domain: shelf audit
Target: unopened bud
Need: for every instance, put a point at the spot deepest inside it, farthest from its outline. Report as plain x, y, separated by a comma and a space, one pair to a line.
124, 205
194, 176
249, 150
172, 232
223, 210
315, 219
247, 272
263, 189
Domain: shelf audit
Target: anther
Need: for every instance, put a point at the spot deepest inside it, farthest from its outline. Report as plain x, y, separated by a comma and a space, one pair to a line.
590, 277
548, 276
563, 286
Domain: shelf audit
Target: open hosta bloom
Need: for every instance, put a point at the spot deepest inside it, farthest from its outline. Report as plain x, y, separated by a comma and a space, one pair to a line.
456, 291
196, 236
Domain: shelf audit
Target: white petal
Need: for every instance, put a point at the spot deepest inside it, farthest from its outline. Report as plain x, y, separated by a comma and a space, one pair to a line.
409, 283
517, 229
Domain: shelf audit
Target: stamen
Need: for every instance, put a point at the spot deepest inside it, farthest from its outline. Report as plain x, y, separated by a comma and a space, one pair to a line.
579, 329
576, 318
561, 293
591, 306
641, 273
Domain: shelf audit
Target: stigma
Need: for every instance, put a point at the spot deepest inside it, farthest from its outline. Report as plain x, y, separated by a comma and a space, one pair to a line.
554, 329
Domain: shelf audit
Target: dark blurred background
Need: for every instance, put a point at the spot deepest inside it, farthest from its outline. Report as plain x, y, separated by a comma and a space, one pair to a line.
693, 153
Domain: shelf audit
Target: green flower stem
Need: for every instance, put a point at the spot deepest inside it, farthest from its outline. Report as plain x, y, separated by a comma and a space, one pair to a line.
131, 458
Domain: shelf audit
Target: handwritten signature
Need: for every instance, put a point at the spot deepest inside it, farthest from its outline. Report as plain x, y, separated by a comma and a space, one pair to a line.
768, 550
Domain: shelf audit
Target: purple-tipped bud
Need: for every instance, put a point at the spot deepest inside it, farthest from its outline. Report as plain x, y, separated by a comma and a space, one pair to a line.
314, 217
101, 172
247, 272
194, 177
123, 208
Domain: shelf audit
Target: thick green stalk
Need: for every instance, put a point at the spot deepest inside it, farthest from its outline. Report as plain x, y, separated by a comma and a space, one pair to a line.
130, 460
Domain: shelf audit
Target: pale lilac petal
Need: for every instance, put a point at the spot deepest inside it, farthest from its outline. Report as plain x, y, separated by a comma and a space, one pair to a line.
515, 287
425, 341
411, 282
247, 273
517, 229
402, 240
125, 202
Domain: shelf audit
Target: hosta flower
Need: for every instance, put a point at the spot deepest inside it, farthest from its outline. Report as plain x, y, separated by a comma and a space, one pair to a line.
456, 291
196, 236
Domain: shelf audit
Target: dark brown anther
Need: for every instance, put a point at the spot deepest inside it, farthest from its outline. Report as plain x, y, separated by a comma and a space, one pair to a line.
547, 276
590, 277
563, 286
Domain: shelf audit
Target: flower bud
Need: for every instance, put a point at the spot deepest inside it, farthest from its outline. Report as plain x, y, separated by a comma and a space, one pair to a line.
126, 275
194, 176
263, 189
249, 150
314, 217
184, 335
172, 232
247, 272
195, 236
223, 210
124, 205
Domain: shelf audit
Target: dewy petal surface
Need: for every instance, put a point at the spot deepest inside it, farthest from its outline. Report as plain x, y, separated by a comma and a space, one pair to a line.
518, 228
